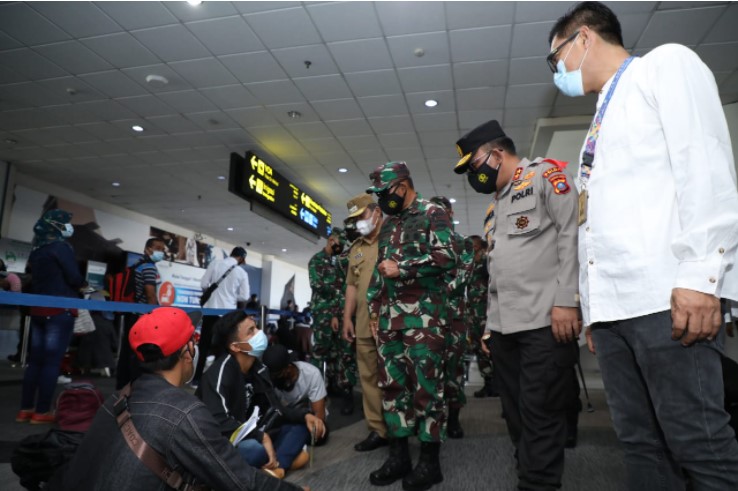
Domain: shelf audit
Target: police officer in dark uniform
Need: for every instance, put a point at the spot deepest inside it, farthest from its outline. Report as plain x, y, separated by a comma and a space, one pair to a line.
533, 301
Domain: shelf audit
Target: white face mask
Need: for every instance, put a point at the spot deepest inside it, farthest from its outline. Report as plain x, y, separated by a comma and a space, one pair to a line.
365, 227
68, 230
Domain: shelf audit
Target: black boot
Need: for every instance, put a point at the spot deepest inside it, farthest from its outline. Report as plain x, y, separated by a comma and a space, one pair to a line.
453, 428
348, 401
427, 472
397, 465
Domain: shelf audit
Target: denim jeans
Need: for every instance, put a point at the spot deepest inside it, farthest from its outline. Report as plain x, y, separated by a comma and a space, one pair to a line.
288, 444
50, 337
666, 403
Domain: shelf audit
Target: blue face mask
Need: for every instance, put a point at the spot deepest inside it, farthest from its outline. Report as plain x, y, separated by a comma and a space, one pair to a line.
259, 344
157, 256
570, 83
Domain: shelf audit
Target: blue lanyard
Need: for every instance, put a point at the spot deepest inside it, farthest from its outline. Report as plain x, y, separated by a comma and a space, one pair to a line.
587, 158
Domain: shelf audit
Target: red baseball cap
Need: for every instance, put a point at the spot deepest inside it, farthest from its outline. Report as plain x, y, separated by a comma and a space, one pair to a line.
168, 328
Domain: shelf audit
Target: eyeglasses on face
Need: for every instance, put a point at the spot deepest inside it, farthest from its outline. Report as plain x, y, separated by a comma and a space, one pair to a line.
551, 58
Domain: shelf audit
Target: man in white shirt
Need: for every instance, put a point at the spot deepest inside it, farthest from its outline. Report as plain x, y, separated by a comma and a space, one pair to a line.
658, 234
233, 287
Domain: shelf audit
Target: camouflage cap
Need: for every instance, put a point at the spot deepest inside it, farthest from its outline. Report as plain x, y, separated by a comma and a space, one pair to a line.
384, 175
469, 143
358, 204
442, 201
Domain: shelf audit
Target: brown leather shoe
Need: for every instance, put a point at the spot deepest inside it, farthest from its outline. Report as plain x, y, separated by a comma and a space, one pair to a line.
278, 472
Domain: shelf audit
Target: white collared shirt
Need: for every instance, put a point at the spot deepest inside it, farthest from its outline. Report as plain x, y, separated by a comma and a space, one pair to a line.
663, 207
234, 288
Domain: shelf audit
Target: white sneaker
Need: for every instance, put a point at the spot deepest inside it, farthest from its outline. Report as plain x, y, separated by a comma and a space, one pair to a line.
63, 380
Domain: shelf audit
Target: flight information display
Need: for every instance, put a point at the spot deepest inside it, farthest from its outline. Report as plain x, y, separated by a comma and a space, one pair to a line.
252, 178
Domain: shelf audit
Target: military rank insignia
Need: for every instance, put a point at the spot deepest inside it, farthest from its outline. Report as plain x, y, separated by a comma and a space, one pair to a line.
518, 171
522, 222
559, 183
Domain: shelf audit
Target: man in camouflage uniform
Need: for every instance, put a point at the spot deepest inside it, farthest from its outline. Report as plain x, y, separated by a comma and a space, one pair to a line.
533, 300
456, 332
409, 312
476, 316
326, 282
344, 351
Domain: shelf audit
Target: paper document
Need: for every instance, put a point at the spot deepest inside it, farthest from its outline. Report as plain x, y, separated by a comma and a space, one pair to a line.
246, 428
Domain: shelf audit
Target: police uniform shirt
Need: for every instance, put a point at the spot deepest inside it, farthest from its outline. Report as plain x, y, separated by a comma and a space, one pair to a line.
533, 255
362, 262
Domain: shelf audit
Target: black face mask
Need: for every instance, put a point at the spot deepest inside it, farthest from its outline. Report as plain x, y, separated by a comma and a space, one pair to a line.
390, 203
337, 249
484, 180
285, 385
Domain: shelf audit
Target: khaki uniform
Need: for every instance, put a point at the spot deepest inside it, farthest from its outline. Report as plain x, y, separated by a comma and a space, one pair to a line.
533, 249
362, 259
532, 236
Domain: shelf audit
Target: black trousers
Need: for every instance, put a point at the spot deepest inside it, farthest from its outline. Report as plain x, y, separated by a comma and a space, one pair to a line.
127, 369
206, 341
534, 377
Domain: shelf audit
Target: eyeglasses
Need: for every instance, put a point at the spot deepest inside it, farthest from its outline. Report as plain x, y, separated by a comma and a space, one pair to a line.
551, 58
473, 170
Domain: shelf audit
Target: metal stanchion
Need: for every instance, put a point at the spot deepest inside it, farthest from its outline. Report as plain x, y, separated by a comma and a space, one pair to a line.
26, 337
121, 318
262, 317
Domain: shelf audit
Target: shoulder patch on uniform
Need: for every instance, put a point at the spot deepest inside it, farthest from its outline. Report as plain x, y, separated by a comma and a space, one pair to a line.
550, 171
518, 171
559, 183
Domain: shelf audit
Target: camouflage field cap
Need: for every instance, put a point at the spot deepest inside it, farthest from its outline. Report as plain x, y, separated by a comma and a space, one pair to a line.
358, 204
384, 175
442, 201
469, 143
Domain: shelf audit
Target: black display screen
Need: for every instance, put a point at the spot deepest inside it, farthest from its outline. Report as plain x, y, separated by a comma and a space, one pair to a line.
252, 178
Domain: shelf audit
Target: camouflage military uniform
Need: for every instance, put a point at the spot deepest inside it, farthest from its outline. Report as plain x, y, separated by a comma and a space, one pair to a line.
325, 280
457, 332
345, 352
413, 313
476, 314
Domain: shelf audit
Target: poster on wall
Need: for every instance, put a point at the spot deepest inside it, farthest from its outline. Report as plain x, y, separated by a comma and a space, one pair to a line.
186, 250
96, 274
15, 254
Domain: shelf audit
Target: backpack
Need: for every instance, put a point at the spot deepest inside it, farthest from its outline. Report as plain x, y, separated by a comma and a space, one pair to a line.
122, 286
77, 405
37, 457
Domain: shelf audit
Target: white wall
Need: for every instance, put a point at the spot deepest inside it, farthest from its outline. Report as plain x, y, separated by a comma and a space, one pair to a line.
276, 274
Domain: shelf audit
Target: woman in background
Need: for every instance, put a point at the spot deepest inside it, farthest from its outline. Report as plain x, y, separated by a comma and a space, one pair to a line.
54, 271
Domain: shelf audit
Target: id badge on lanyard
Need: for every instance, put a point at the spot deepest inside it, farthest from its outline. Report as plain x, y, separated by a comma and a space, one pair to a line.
587, 158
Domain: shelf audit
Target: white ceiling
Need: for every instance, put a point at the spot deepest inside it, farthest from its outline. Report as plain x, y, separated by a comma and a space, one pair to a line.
235, 69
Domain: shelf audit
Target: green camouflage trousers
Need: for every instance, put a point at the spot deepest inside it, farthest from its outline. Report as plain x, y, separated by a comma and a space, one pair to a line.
476, 329
455, 342
338, 355
411, 364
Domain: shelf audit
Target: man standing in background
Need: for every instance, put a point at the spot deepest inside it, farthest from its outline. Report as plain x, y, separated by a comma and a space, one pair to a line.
456, 331
231, 283
658, 235
146, 280
362, 263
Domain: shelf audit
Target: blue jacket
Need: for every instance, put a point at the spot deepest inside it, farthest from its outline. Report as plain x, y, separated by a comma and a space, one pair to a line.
178, 426
54, 271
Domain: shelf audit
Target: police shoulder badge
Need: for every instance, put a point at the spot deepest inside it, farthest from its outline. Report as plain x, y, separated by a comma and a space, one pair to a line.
550, 171
559, 183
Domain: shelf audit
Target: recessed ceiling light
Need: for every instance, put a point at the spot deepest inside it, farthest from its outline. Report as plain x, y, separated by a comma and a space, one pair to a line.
456, 222
194, 3
137, 128
156, 80
284, 250
221, 178
294, 114
116, 184
342, 170
230, 229
452, 200
431, 103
